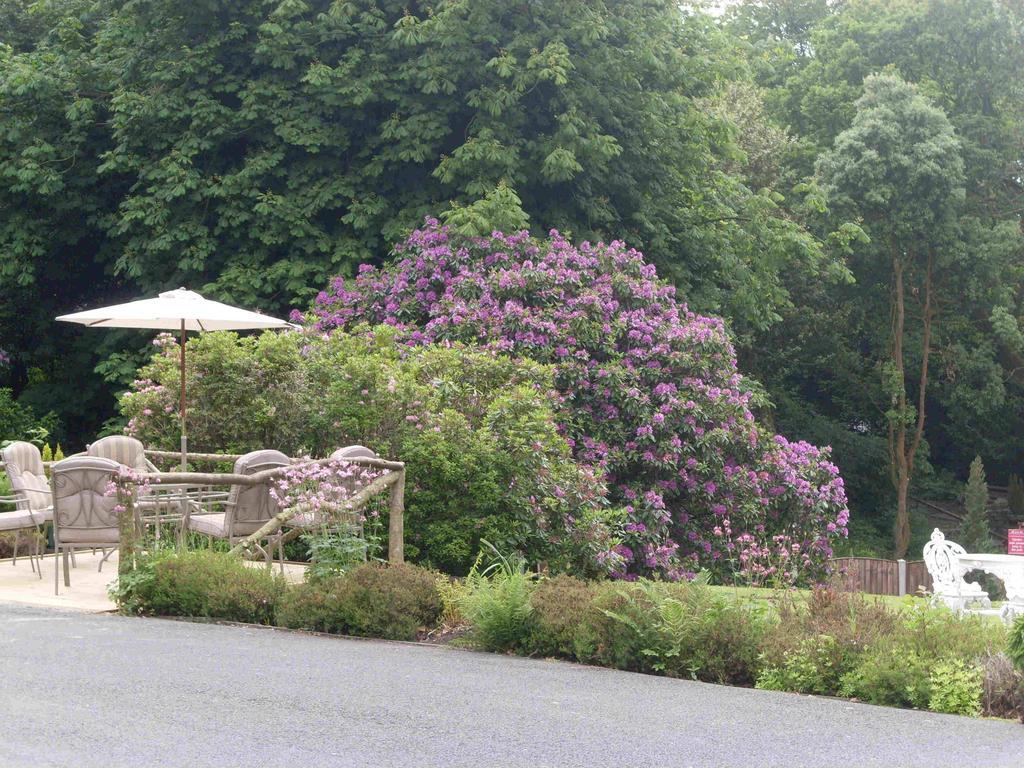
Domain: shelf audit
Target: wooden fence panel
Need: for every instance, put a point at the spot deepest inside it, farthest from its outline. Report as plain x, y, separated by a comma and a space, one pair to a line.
918, 578
881, 577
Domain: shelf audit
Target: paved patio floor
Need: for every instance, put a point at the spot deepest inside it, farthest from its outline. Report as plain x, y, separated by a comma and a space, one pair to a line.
88, 590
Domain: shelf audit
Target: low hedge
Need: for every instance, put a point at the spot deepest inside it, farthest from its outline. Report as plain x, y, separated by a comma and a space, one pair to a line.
372, 600
827, 642
679, 630
387, 601
201, 584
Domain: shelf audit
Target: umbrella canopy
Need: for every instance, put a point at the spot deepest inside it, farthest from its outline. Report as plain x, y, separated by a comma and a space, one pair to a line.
172, 310
179, 310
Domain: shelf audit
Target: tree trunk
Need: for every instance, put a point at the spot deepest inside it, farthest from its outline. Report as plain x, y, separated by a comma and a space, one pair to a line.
901, 534
903, 454
897, 418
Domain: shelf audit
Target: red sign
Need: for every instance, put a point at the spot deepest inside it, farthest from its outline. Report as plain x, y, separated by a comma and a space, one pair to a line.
1015, 541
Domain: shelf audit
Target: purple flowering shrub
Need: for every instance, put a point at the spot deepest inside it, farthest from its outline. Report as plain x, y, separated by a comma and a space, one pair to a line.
649, 393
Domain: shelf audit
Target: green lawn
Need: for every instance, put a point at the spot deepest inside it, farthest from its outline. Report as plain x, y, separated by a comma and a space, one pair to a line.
772, 595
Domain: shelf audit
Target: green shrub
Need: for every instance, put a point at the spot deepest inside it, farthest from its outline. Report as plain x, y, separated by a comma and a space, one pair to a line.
888, 674
956, 688
333, 550
719, 641
681, 630
842, 642
817, 640
477, 431
20, 422
615, 626
560, 606
372, 600
1015, 643
936, 632
497, 605
689, 631
201, 584
814, 666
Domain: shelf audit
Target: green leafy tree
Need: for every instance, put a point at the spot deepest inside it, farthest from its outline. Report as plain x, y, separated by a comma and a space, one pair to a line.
975, 535
255, 149
898, 168
811, 59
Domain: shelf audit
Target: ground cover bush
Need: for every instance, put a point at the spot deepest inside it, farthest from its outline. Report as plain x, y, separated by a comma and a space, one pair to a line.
373, 600
956, 688
824, 642
887, 673
649, 392
560, 606
477, 431
199, 584
687, 631
846, 643
604, 638
815, 640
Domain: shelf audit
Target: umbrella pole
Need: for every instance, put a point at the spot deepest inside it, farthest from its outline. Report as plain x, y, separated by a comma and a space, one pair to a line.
184, 439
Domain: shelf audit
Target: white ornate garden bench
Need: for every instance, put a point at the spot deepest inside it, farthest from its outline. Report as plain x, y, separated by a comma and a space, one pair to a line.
947, 562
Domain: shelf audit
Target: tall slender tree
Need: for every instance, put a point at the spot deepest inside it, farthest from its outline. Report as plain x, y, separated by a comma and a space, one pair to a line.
898, 169
974, 530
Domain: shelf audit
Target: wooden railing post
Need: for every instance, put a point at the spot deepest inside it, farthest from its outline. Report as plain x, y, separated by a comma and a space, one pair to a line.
396, 520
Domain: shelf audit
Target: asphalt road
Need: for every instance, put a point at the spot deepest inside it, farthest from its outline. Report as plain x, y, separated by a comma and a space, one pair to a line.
99, 690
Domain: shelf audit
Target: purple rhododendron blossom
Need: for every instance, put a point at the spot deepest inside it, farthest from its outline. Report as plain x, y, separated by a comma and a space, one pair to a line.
650, 393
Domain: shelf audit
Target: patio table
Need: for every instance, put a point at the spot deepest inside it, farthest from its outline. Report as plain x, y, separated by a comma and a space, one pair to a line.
168, 502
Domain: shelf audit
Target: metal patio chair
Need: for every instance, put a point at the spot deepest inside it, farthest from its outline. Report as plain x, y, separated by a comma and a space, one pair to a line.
246, 509
84, 516
31, 497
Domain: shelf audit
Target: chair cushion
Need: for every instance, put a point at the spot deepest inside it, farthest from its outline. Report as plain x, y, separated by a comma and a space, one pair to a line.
23, 518
25, 470
354, 452
126, 451
216, 526
89, 535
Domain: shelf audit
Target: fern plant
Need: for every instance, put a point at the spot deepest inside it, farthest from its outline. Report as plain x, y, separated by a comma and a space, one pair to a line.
496, 601
685, 630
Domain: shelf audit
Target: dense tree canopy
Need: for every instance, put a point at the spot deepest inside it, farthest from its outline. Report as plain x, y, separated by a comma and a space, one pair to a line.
252, 149
256, 148
812, 58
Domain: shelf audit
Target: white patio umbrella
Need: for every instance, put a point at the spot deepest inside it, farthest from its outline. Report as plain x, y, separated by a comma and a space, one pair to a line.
179, 310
